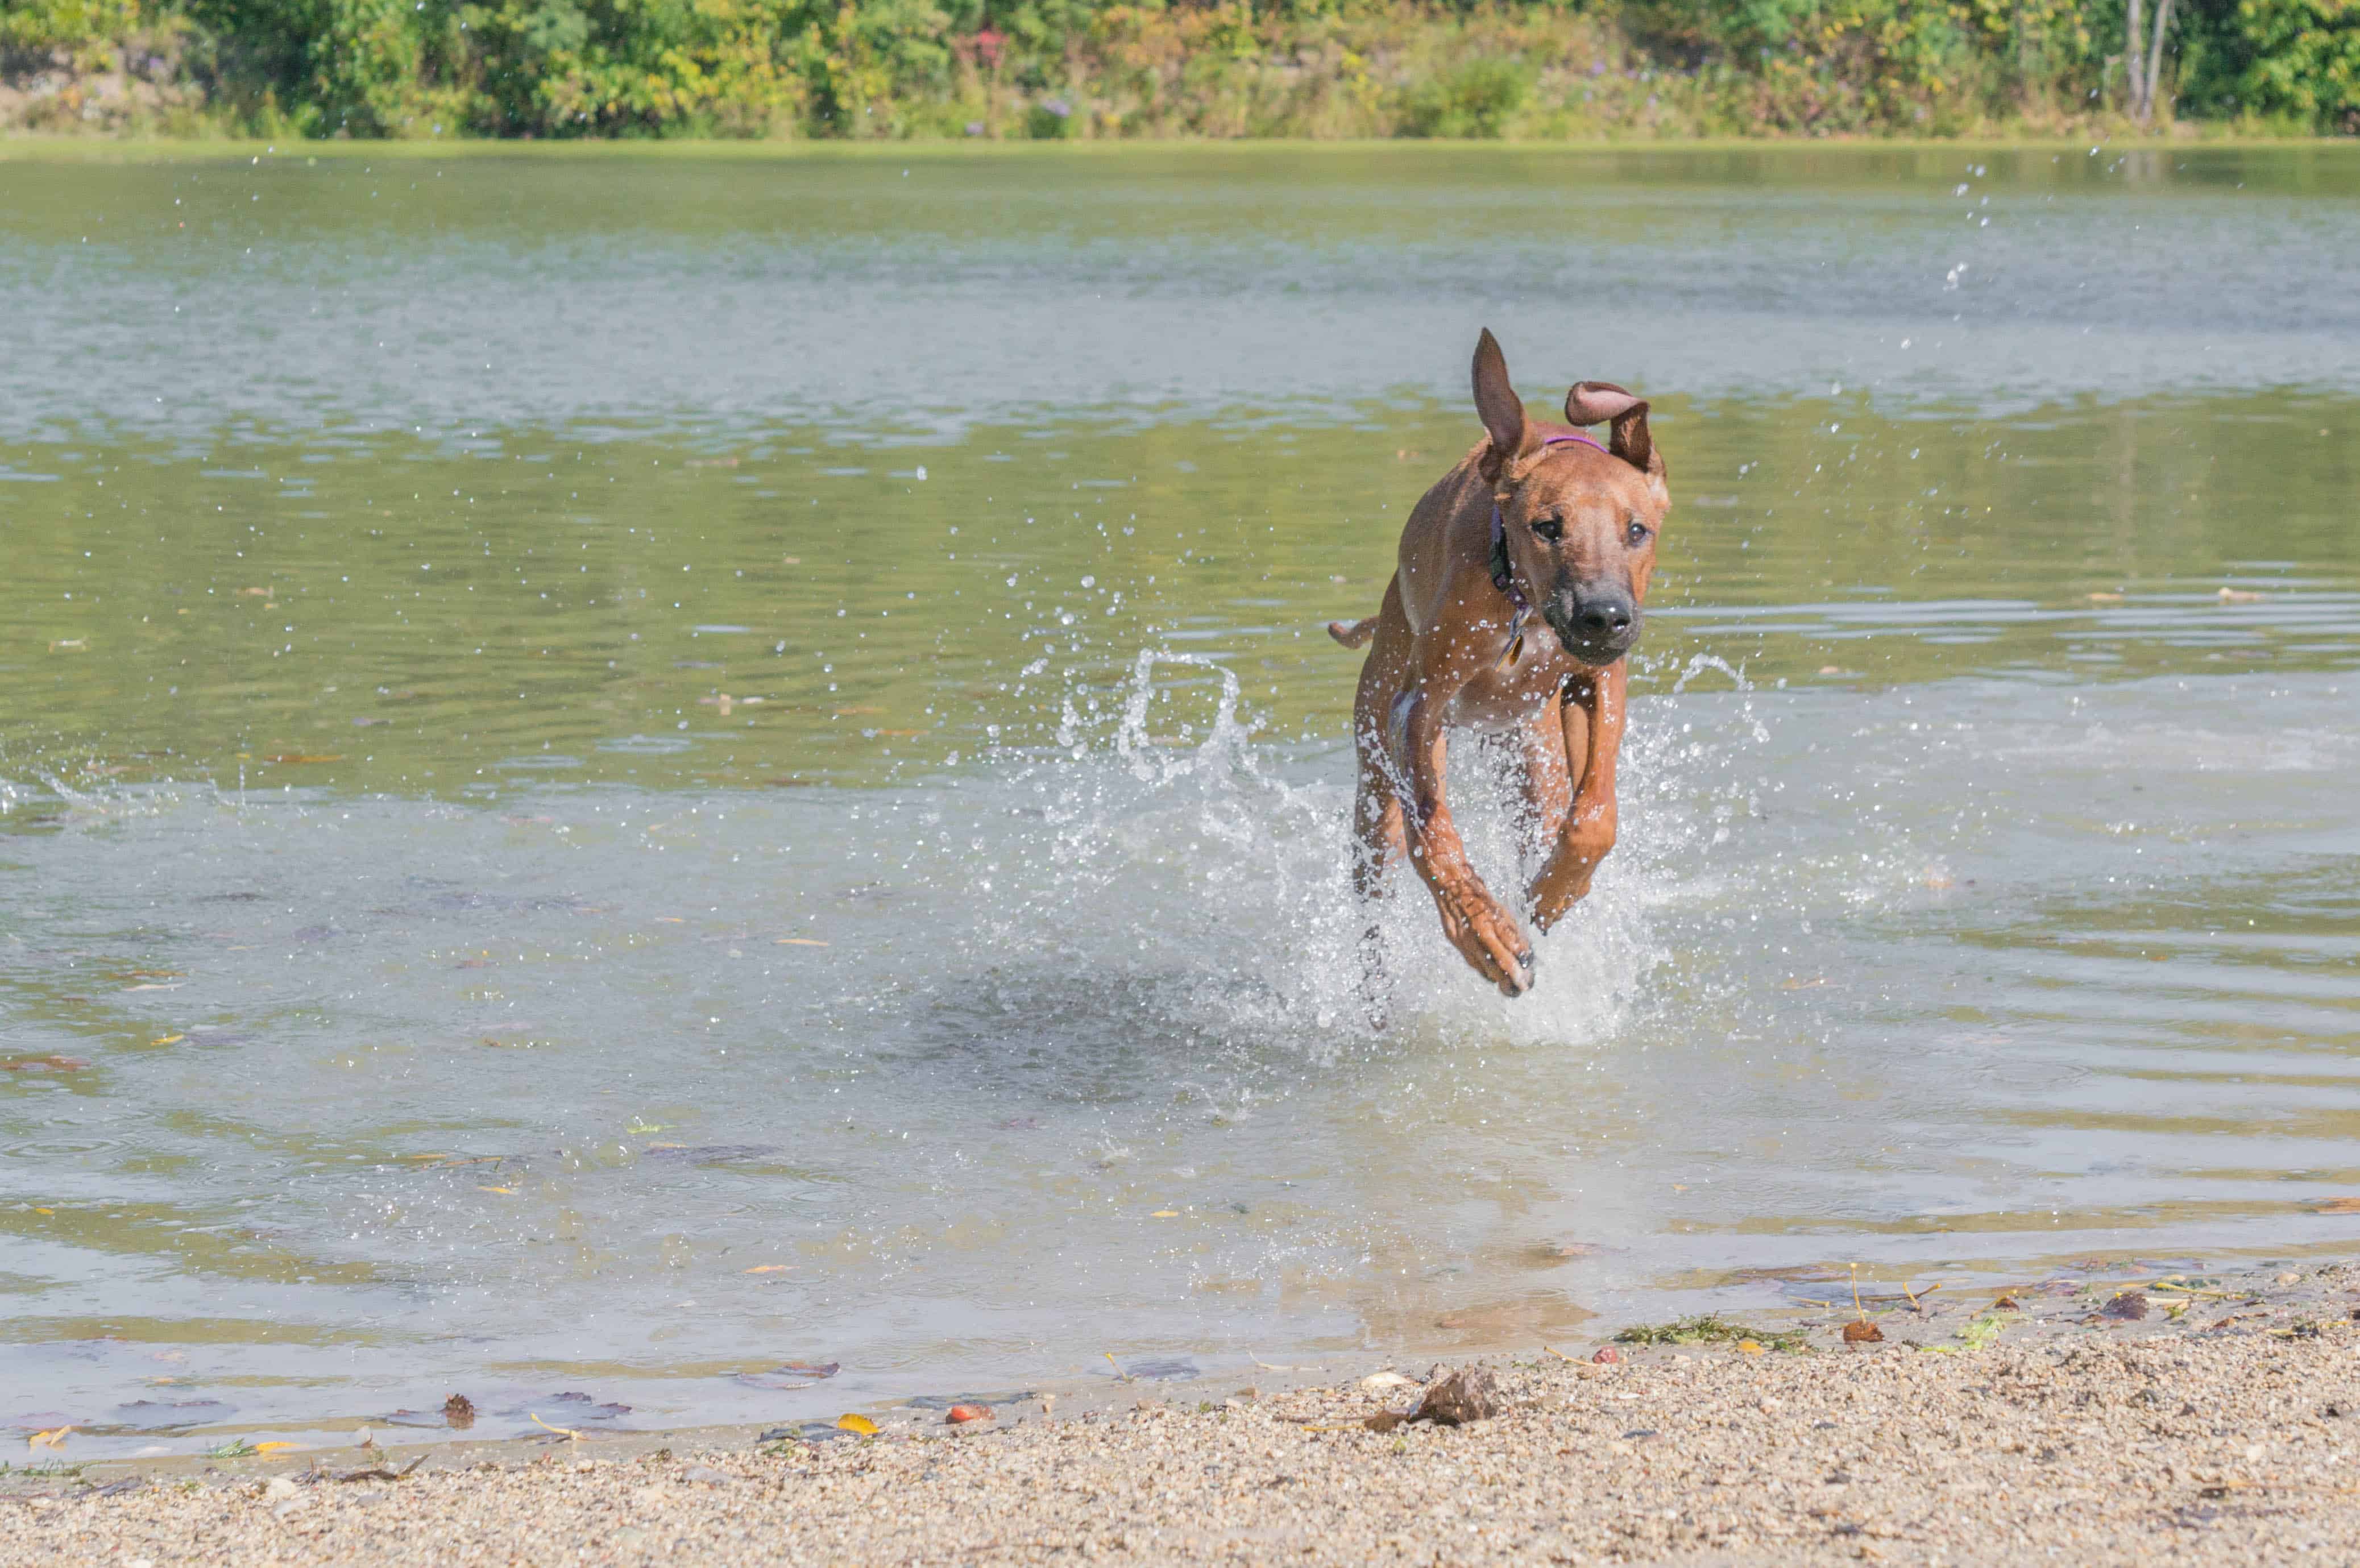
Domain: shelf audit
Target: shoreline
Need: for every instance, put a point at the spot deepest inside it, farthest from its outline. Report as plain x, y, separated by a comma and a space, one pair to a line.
17, 145
2215, 1418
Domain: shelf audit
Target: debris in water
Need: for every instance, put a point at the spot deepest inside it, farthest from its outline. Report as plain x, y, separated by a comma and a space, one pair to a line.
459, 1412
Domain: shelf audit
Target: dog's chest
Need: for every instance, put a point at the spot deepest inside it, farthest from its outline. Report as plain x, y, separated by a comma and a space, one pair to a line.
1504, 697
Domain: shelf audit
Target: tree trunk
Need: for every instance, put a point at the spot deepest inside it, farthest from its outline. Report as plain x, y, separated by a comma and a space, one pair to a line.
2134, 61
2155, 59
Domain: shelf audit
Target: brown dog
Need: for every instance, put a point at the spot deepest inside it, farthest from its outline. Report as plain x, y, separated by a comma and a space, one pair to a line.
1515, 596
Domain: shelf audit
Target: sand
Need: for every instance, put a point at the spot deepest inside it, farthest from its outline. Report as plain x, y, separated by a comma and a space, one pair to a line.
2221, 1427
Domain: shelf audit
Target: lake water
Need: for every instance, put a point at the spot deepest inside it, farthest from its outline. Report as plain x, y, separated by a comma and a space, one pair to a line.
620, 771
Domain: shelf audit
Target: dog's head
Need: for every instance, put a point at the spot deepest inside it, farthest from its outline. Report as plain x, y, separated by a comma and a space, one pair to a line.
1578, 523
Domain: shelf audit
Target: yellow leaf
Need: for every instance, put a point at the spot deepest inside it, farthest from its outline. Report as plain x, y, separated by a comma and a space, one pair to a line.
271, 1448
167, 1040
798, 942
769, 1269
1164, 1214
53, 1438
45, 1211
510, 1191
562, 1430
1750, 1346
860, 1423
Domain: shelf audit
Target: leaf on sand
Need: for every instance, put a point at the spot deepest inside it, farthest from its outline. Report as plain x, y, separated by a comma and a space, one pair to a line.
959, 1415
1861, 1331
2128, 1307
856, 1422
1750, 1346
271, 1448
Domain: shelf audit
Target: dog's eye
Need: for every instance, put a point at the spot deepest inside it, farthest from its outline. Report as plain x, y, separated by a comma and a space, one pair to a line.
1549, 529
1637, 533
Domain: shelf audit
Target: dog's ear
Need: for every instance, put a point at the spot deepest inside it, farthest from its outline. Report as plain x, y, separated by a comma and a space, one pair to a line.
1496, 401
1602, 402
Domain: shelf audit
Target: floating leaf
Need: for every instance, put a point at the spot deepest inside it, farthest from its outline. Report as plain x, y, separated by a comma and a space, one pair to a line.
167, 1040
769, 1269
53, 1438
1164, 1214
852, 1421
506, 1191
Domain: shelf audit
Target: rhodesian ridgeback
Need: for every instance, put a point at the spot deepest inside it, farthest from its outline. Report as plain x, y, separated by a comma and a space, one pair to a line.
1515, 594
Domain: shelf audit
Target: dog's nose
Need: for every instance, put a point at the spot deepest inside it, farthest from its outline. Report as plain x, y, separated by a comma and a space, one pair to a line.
1604, 617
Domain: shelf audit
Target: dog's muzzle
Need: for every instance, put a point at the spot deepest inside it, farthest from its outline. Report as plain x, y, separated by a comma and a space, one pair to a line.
1597, 623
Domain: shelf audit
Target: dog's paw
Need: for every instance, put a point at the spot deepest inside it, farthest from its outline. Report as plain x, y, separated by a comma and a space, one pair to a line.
1488, 938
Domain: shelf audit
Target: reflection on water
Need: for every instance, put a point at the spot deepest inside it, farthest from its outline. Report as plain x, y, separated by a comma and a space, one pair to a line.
546, 909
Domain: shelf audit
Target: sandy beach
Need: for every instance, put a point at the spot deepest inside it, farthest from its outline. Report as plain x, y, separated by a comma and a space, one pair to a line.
2206, 1419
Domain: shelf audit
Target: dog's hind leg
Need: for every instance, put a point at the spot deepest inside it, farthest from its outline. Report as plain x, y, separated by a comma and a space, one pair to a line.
1379, 843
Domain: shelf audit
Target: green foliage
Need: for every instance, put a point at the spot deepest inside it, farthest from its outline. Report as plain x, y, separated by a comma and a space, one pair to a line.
1476, 99
2297, 61
1208, 68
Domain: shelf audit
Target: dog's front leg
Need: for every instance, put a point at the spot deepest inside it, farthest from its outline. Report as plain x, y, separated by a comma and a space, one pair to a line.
1482, 931
1590, 713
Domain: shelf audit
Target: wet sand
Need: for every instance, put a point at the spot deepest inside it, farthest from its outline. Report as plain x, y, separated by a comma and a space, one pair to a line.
2214, 1420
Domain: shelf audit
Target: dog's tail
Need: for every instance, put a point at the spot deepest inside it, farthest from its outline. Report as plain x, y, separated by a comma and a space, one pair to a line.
1353, 634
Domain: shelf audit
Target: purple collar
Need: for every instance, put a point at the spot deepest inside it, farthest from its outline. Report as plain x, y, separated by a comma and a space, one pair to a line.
1503, 577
